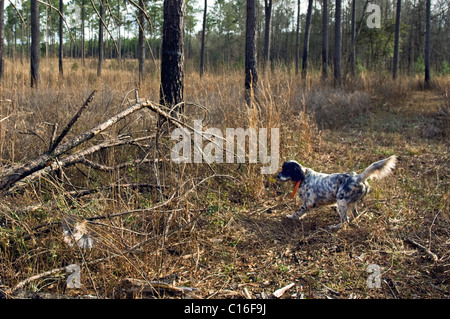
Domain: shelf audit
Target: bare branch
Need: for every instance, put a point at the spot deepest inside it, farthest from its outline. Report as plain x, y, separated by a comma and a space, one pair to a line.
72, 122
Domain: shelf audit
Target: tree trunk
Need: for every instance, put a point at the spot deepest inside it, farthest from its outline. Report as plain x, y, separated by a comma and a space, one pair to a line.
83, 62
338, 45
352, 56
397, 38
2, 38
141, 41
119, 41
427, 45
297, 39
35, 44
251, 74
267, 26
202, 51
100, 40
172, 59
306, 40
61, 38
325, 39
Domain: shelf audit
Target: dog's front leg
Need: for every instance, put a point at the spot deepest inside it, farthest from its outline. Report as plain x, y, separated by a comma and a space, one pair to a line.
298, 214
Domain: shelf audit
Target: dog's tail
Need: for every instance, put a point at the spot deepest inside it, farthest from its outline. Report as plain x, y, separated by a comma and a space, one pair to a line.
379, 169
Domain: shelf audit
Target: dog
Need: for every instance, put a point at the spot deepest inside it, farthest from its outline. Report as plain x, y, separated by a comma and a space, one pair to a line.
344, 189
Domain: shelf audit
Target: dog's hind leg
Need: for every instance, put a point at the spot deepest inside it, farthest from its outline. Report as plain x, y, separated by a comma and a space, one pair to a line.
342, 206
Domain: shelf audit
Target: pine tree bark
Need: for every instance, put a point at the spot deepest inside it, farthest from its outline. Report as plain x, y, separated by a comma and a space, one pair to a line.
338, 44
61, 38
427, 45
172, 59
267, 27
2, 38
100, 40
251, 73
202, 50
352, 56
325, 39
306, 40
397, 38
141, 42
35, 43
83, 51
297, 39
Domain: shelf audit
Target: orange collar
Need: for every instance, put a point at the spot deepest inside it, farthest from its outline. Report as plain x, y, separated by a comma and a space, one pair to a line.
297, 184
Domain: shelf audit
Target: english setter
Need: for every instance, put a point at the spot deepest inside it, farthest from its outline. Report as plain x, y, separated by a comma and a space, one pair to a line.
345, 189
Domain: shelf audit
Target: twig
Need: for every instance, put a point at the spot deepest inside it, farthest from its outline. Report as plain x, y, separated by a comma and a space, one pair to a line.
53, 137
5, 118
423, 248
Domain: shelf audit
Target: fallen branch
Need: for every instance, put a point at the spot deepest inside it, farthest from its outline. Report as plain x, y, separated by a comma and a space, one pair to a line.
84, 192
73, 159
22, 284
45, 159
116, 167
56, 157
423, 248
151, 286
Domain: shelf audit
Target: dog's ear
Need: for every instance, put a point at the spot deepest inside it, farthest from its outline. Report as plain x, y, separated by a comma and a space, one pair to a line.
297, 173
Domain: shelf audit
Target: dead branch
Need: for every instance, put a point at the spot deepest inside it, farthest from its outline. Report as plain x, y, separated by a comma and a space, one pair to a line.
56, 164
116, 167
46, 159
35, 277
57, 156
84, 192
140, 285
72, 122
433, 256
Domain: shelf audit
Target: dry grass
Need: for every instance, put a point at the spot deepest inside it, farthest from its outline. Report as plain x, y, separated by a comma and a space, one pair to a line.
221, 228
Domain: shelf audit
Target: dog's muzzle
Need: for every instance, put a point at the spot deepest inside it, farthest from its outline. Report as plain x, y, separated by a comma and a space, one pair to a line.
282, 178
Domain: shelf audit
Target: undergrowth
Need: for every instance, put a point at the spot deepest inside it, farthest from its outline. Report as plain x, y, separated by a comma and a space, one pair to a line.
220, 228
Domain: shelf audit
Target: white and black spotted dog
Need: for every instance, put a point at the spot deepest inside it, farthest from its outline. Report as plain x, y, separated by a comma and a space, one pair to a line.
345, 189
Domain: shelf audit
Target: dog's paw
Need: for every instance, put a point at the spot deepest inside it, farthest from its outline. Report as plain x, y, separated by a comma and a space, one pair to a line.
291, 216
335, 227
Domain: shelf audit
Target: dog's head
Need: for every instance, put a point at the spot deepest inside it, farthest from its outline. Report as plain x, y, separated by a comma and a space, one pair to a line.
291, 171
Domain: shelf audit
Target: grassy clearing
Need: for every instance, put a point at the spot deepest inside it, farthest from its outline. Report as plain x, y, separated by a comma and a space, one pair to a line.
222, 227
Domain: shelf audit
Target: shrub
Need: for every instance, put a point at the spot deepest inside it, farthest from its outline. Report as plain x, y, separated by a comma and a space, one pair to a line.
332, 107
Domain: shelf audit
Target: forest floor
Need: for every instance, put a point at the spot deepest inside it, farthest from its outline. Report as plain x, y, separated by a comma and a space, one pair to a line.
230, 238
261, 250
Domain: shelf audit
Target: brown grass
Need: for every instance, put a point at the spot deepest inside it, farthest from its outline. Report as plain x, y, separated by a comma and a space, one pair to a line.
222, 227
